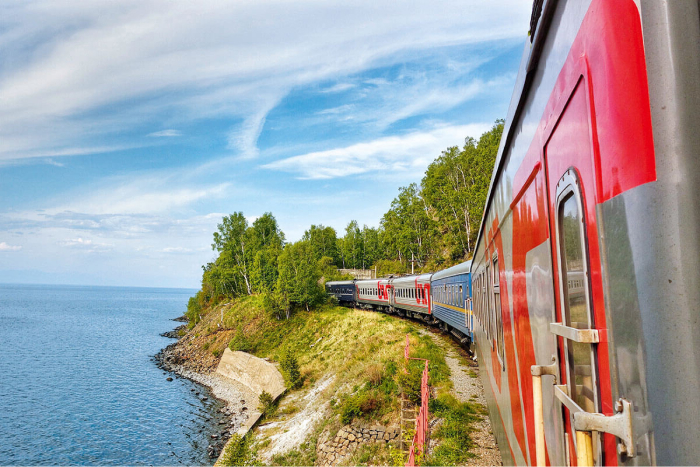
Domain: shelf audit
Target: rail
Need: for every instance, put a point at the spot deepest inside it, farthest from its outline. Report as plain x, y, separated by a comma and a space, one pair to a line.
421, 436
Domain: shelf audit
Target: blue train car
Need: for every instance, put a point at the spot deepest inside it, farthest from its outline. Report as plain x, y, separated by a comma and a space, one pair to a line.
344, 291
451, 299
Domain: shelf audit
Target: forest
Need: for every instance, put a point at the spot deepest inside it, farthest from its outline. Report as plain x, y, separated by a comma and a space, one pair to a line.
434, 224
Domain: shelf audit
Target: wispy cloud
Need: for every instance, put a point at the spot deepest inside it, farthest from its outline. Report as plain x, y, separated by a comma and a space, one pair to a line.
5, 247
68, 64
340, 87
85, 244
382, 157
165, 133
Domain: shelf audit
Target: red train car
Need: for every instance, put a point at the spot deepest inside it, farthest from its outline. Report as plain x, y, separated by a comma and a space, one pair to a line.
587, 268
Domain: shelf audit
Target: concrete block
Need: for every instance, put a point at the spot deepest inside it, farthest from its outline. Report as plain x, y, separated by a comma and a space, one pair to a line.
253, 372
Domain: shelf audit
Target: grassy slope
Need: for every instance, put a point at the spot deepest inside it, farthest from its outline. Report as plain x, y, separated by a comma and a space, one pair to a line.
364, 350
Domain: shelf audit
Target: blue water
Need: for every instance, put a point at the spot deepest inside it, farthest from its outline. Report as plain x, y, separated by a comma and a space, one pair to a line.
78, 385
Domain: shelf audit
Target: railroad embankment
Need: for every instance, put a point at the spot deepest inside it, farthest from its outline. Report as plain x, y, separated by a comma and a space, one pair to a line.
343, 371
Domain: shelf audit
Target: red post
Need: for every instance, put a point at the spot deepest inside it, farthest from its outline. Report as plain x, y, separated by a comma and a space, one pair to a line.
419, 439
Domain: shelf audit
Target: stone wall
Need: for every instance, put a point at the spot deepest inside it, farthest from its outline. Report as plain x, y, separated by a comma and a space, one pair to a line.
359, 273
348, 439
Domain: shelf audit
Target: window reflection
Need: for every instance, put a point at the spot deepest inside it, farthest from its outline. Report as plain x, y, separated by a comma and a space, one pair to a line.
580, 356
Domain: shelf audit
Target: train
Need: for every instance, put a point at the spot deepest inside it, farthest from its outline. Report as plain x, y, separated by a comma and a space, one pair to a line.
586, 273
442, 299
582, 299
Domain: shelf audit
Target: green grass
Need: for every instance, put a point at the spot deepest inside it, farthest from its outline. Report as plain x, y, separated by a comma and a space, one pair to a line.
364, 350
238, 451
454, 432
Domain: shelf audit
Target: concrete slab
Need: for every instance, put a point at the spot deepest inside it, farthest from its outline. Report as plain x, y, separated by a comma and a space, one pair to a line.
255, 373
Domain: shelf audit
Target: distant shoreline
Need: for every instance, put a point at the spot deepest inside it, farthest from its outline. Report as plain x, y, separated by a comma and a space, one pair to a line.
95, 286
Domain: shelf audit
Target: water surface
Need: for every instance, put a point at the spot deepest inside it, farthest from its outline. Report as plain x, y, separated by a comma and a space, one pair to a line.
78, 385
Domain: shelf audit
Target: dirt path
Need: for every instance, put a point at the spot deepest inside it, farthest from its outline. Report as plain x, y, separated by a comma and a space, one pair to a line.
468, 388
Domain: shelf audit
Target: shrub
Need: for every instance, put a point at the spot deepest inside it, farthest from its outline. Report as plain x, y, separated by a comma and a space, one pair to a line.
241, 343
238, 452
266, 404
365, 404
410, 381
290, 370
374, 375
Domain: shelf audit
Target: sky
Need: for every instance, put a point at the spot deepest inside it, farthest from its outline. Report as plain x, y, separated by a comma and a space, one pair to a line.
129, 128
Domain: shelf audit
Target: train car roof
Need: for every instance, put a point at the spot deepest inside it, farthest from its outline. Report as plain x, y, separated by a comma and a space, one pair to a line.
412, 278
461, 268
373, 281
340, 282
542, 12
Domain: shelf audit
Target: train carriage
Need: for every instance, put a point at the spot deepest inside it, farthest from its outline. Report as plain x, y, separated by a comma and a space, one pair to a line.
343, 291
451, 292
373, 294
586, 272
411, 293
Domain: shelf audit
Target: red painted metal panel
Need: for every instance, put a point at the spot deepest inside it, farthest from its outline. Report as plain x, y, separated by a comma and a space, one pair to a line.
422, 427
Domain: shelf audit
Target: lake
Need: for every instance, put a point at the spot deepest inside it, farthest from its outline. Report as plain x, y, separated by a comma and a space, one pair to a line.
78, 385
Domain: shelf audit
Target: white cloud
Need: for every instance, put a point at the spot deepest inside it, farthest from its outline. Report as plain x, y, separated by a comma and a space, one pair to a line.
87, 245
382, 157
165, 133
176, 249
5, 247
67, 64
340, 87
143, 196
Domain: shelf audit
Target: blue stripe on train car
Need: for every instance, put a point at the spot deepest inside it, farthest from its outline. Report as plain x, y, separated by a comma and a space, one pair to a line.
452, 317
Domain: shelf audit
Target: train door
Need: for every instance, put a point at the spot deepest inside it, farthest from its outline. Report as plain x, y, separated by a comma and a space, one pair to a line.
571, 180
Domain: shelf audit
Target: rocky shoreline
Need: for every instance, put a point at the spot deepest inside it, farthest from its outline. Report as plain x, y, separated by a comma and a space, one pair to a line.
175, 359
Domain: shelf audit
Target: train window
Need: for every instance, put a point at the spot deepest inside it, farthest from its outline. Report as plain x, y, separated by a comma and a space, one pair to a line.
489, 302
498, 316
576, 310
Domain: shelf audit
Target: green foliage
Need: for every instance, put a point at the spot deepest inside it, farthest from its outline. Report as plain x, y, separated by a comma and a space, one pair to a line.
290, 370
455, 187
266, 404
298, 281
388, 266
195, 309
238, 452
410, 230
366, 403
409, 380
247, 260
329, 272
397, 457
324, 243
241, 343
304, 456
435, 224
374, 398
453, 432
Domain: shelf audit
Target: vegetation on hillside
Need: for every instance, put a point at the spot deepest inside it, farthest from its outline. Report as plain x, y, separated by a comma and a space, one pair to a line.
434, 224
363, 354
258, 279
